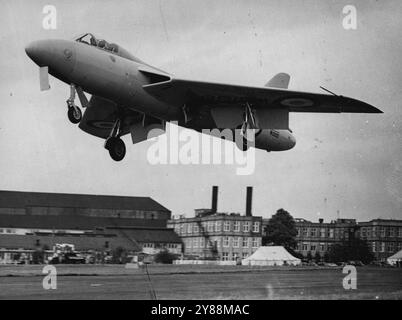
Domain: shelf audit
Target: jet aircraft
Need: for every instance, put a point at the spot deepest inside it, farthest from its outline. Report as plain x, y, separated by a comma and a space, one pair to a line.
129, 96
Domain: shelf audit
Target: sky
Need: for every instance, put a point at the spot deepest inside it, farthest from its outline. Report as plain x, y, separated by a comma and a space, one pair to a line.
343, 165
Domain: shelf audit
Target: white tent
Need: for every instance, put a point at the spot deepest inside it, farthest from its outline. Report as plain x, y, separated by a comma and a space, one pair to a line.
271, 256
395, 258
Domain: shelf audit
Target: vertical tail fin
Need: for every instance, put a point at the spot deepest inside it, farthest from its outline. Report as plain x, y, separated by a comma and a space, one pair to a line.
281, 80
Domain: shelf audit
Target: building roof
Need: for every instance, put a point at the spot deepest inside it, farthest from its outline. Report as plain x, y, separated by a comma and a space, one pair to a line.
74, 222
148, 235
81, 243
19, 199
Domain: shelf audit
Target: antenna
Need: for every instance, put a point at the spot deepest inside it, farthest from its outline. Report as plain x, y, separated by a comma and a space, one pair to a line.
329, 91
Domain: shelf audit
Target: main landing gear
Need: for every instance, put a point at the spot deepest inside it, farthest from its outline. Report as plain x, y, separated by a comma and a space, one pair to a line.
114, 144
74, 112
248, 130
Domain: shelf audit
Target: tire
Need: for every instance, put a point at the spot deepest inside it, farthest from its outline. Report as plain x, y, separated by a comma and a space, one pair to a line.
74, 115
117, 149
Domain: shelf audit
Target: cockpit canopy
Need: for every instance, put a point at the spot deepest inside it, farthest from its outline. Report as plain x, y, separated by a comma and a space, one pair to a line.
90, 39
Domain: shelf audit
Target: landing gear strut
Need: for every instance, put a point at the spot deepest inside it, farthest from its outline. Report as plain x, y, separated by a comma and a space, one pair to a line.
248, 130
116, 146
74, 112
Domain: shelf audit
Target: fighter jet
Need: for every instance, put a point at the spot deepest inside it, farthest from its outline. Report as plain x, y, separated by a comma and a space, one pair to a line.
129, 96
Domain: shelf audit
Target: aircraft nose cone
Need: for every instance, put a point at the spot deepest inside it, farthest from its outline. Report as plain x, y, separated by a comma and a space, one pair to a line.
38, 51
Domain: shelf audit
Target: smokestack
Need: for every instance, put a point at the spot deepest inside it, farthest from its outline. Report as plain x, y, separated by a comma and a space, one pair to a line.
214, 207
249, 200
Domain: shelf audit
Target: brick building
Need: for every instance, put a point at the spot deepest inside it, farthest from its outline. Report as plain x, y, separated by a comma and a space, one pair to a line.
384, 237
222, 236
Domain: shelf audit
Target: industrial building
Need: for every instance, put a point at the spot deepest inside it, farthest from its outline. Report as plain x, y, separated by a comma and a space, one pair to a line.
222, 236
31, 221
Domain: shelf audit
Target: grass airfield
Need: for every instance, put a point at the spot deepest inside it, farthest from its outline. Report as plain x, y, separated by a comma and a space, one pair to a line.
201, 282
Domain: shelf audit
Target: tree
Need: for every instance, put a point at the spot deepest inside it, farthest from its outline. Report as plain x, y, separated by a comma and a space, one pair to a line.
281, 230
164, 256
353, 249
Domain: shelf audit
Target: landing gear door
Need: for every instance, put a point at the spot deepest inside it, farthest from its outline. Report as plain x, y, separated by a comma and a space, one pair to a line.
147, 129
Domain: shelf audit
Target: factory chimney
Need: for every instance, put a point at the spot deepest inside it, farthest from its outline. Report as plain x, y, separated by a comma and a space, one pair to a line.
249, 200
214, 207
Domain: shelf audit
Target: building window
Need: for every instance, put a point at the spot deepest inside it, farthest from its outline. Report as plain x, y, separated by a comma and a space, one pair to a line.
226, 226
313, 247
305, 247
322, 233
218, 226
322, 247
246, 227
382, 232
236, 242
190, 228
210, 226
236, 226
400, 233
255, 242
202, 242
312, 232
382, 246
195, 243
331, 233
226, 242
235, 255
225, 256
245, 242
244, 255
195, 228
392, 232
256, 226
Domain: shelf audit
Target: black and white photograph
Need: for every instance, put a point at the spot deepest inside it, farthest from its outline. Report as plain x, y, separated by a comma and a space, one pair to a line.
207, 152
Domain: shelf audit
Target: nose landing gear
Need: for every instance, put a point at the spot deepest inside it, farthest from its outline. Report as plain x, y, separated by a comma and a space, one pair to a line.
74, 112
114, 144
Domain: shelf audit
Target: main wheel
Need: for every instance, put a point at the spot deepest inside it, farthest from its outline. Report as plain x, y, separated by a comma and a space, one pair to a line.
117, 148
74, 115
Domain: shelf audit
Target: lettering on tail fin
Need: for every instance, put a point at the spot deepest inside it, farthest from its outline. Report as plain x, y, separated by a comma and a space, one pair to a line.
281, 81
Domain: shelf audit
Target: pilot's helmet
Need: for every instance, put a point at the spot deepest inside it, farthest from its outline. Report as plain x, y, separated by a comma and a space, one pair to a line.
93, 41
101, 43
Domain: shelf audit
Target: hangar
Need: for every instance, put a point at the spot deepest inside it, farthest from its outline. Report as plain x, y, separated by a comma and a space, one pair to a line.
31, 221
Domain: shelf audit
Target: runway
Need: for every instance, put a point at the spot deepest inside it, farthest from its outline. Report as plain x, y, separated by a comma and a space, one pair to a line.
199, 282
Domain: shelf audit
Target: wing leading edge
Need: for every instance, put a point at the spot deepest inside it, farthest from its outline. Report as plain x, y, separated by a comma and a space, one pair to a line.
180, 92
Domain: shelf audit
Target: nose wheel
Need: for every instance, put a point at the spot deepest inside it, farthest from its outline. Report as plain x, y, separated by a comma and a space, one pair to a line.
74, 112
114, 144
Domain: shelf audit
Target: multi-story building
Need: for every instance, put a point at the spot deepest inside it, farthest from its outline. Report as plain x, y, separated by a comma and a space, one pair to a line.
318, 237
383, 236
219, 235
